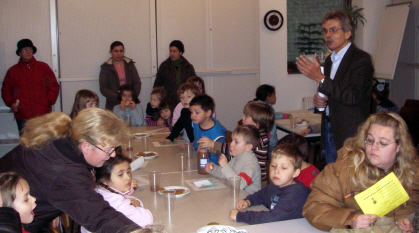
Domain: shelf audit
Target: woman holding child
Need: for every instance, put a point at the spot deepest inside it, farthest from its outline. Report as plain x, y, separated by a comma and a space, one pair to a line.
115, 72
382, 145
174, 72
57, 156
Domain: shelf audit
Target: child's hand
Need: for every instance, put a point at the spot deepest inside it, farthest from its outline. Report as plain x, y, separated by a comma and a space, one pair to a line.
233, 214
165, 141
205, 142
363, 220
160, 121
123, 105
305, 132
242, 204
55, 224
134, 183
135, 202
222, 160
131, 104
405, 225
208, 167
288, 116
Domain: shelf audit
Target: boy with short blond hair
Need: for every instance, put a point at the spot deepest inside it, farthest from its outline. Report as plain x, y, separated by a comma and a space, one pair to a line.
244, 162
186, 93
284, 197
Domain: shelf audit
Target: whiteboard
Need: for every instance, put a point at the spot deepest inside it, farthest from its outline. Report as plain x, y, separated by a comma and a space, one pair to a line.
389, 39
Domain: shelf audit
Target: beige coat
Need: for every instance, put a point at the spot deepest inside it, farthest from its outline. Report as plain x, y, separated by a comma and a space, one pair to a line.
326, 206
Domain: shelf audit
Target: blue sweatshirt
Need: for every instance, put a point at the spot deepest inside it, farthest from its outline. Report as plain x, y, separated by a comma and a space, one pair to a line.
283, 203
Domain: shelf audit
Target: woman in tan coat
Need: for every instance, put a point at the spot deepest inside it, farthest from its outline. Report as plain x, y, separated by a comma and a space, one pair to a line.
382, 145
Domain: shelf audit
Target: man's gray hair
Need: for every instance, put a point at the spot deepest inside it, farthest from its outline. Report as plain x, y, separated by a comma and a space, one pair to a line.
343, 18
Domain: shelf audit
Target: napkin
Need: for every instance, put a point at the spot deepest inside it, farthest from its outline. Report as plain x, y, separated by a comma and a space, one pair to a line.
202, 183
137, 163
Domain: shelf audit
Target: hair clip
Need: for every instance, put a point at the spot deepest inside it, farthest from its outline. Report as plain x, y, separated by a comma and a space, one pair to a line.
269, 94
380, 87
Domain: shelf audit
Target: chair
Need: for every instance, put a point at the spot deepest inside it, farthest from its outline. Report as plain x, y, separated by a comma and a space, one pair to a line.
410, 114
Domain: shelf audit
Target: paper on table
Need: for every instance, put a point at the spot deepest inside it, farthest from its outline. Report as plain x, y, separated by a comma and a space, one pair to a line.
383, 197
137, 163
211, 180
201, 183
141, 180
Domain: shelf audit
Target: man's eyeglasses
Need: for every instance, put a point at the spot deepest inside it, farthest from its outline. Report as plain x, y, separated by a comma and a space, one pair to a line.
379, 144
332, 30
109, 153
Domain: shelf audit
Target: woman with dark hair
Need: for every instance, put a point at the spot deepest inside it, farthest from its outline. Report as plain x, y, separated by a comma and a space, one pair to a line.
174, 72
381, 146
115, 72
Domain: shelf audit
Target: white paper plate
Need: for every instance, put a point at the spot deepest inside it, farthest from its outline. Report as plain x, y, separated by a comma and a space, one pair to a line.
301, 125
219, 228
141, 135
187, 191
147, 157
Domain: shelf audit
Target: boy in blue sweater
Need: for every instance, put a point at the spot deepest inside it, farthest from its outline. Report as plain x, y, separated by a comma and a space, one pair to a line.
284, 197
204, 125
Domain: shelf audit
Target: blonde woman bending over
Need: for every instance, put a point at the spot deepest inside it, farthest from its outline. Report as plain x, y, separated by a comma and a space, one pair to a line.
382, 145
57, 155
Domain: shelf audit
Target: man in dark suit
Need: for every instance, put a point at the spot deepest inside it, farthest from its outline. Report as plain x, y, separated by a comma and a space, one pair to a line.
346, 83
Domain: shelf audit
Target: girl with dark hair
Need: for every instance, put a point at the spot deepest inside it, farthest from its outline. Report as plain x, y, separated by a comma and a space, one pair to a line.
114, 183
115, 72
84, 99
129, 105
174, 72
266, 94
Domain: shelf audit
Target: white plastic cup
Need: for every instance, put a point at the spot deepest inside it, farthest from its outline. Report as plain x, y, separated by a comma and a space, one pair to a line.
144, 144
321, 95
182, 157
234, 186
169, 197
189, 150
154, 178
293, 121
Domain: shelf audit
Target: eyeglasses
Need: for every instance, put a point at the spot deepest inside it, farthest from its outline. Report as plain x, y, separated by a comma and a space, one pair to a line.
332, 30
29, 49
379, 144
109, 153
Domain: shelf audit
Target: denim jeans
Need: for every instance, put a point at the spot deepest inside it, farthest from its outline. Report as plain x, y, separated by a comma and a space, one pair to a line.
329, 143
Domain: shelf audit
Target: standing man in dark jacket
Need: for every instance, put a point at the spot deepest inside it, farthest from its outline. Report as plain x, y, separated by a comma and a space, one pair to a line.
174, 72
346, 83
30, 87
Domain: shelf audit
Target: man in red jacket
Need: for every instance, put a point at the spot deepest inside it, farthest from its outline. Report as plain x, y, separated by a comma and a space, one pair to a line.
30, 87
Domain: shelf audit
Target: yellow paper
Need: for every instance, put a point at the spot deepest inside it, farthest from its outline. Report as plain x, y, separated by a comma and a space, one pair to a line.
383, 197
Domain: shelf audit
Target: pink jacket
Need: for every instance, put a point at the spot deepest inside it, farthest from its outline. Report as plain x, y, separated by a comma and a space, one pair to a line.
122, 203
34, 85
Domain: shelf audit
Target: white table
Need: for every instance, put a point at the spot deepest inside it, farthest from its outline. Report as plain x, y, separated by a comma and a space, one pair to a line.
296, 225
284, 124
198, 208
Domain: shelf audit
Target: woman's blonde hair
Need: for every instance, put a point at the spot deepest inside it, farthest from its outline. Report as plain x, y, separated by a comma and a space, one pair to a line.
261, 113
93, 125
363, 172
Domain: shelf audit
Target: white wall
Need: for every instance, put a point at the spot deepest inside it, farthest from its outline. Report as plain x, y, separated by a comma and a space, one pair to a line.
290, 89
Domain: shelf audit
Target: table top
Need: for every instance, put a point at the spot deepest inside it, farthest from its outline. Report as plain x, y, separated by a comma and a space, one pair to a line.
284, 124
198, 208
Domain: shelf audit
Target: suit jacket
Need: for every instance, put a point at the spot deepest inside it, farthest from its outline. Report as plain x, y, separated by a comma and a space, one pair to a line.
349, 93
